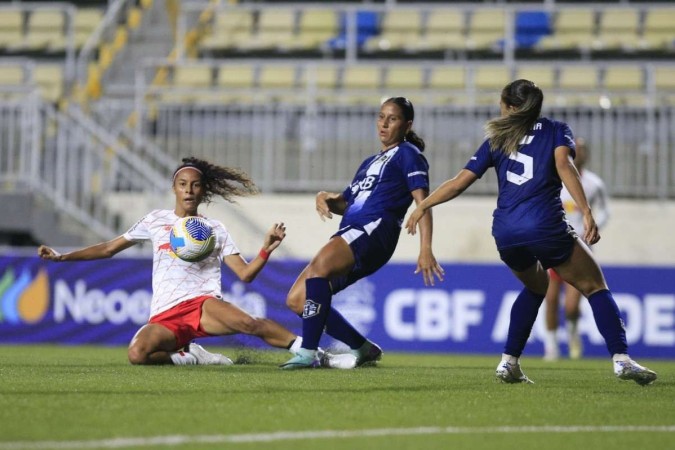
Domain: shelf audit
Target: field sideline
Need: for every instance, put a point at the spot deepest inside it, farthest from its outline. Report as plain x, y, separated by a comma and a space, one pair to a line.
90, 397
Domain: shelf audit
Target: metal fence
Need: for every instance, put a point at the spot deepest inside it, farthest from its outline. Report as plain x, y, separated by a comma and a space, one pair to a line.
287, 147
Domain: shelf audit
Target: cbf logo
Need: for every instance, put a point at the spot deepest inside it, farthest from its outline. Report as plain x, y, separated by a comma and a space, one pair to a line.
311, 309
23, 298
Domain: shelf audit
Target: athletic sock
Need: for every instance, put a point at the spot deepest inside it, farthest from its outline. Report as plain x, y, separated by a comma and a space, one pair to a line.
339, 328
608, 320
315, 313
523, 314
182, 358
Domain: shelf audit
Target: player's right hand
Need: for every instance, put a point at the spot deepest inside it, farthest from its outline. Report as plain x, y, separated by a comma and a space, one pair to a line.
322, 207
48, 253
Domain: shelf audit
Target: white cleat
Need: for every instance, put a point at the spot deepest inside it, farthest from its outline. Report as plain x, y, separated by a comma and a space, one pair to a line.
343, 361
630, 370
511, 373
576, 347
207, 358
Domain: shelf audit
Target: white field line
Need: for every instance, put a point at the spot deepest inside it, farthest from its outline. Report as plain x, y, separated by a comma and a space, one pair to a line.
164, 441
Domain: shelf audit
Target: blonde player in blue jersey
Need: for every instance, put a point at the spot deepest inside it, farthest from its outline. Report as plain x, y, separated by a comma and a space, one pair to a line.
532, 155
372, 208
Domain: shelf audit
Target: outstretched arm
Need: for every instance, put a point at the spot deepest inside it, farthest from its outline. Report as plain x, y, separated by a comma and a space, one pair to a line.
247, 271
443, 193
329, 203
98, 251
569, 175
426, 262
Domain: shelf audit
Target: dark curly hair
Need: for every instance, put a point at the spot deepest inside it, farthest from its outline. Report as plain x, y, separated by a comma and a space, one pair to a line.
224, 182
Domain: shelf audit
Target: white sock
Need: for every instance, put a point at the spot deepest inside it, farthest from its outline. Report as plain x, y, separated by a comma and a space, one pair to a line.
183, 359
295, 346
620, 357
572, 327
510, 359
551, 339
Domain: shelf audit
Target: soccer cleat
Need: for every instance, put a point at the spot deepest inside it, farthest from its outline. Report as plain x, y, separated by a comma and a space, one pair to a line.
343, 361
368, 354
207, 358
511, 373
630, 370
551, 353
303, 359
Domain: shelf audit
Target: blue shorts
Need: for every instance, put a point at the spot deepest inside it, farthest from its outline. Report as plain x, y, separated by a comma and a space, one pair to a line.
550, 253
372, 244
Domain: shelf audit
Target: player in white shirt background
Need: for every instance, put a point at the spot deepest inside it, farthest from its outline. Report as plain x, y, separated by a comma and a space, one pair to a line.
186, 300
596, 194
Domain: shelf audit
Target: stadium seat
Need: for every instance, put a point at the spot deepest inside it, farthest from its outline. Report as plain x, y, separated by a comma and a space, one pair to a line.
316, 27
623, 78
323, 76
664, 79
12, 75
618, 29
445, 30
45, 31
531, 26
401, 80
447, 78
236, 76
229, 27
277, 76
487, 29
491, 78
578, 85
11, 29
659, 32
367, 25
85, 22
189, 84
49, 79
361, 77
573, 29
542, 75
398, 27
274, 32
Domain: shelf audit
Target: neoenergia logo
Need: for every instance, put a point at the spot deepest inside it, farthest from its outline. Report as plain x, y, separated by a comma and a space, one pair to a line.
23, 298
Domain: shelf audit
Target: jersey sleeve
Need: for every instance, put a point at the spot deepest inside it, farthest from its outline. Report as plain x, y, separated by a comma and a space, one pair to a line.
416, 169
224, 241
481, 161
139, 231
565, 137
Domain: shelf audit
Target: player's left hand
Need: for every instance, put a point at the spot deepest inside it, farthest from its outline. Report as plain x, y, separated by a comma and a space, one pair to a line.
415, 216
591, 232
427, 264
274, 236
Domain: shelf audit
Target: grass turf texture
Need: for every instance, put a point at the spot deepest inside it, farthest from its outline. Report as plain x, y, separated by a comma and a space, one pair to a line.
53, 393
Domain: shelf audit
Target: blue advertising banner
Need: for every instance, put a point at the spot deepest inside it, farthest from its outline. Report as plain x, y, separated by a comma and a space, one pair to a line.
105, 302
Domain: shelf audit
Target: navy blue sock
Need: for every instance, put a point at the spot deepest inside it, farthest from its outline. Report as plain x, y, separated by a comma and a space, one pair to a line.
315, 313
608, 320
339, 328
523, 314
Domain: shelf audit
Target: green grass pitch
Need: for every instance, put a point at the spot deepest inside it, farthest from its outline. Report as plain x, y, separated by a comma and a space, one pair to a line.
90, 397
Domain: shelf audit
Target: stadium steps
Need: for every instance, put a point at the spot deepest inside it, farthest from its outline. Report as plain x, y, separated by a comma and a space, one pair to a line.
31, 216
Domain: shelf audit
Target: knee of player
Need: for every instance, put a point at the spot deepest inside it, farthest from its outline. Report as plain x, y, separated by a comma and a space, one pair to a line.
295, 303
137, 356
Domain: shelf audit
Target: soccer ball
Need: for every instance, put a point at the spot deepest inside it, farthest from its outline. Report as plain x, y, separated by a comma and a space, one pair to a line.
192, 238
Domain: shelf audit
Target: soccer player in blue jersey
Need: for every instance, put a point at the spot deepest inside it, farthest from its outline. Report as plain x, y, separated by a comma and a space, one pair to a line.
532, 155
372, 207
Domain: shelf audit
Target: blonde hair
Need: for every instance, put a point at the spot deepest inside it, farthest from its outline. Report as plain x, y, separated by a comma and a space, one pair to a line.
506, 132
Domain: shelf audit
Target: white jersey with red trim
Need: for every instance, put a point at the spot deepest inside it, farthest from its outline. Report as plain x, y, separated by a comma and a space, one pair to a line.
174, 280
596, 194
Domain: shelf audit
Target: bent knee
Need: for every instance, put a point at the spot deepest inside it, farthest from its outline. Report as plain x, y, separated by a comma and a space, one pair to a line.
295, 303
137, 356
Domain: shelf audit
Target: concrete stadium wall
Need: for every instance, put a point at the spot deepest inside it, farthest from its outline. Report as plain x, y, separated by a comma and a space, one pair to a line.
638, 232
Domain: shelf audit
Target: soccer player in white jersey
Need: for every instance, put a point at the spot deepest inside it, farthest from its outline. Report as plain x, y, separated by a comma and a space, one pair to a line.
532, 157
186, 300
596, 193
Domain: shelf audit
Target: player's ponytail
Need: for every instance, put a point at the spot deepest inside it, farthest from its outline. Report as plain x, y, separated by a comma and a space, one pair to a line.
225, 182
409, 115
506, 132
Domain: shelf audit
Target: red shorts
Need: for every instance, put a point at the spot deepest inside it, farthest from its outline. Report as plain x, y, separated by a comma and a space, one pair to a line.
554, 276
183, 320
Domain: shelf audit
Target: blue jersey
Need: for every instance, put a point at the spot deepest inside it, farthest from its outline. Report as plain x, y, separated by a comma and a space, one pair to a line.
528, 206
383, 184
